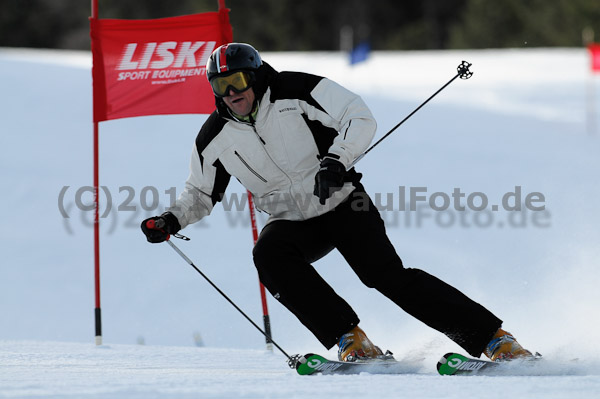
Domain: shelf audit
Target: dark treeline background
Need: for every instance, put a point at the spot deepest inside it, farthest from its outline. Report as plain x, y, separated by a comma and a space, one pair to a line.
300, 25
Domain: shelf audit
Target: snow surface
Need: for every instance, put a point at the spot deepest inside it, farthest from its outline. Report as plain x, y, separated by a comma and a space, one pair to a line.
527, 118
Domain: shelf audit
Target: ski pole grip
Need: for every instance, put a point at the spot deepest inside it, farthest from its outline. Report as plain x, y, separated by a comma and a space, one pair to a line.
158, 224
155, 224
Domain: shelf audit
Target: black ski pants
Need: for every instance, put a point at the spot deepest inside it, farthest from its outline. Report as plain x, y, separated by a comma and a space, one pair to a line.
285, 250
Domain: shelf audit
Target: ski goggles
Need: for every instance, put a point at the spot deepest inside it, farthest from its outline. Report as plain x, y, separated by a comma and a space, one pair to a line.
238, 82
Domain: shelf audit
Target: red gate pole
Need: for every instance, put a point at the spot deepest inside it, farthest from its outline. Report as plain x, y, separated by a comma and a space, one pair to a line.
263, 295
97, 311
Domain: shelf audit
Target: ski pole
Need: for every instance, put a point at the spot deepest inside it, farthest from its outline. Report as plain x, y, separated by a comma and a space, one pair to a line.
153, 225
462, 72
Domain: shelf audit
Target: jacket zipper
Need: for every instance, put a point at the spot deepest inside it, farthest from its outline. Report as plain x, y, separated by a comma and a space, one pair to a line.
253, 123
250, 167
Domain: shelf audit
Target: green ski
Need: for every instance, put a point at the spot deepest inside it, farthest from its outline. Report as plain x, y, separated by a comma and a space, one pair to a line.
316, 364
456, 364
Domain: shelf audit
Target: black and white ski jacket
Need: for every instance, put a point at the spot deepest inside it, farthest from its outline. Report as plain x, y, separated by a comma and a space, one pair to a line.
301, 118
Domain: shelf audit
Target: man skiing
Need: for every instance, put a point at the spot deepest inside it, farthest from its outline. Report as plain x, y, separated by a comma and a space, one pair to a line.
290, 138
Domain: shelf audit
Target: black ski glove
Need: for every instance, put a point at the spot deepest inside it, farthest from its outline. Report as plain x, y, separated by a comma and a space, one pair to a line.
329, 179
160, 227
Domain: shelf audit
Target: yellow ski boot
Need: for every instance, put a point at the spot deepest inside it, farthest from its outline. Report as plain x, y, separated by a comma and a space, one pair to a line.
504, 346
355, 345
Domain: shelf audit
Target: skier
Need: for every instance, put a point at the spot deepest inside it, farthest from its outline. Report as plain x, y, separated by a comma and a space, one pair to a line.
290, 138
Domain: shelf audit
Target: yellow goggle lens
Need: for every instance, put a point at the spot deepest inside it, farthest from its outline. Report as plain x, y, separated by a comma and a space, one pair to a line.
238, 81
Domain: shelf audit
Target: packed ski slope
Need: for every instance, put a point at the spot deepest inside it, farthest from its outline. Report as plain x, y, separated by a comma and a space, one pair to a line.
527, 120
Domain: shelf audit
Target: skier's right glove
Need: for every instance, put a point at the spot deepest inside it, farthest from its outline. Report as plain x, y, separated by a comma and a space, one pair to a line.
329, 178
158, 228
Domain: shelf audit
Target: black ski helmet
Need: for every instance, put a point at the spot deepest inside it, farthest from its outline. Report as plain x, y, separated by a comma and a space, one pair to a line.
232, 57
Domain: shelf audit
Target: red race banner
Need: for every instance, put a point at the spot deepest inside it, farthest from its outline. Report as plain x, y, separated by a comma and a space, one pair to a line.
156, 66
594, 50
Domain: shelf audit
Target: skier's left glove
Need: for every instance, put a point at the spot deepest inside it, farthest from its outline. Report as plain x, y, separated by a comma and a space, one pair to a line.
329, 178
158, 228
